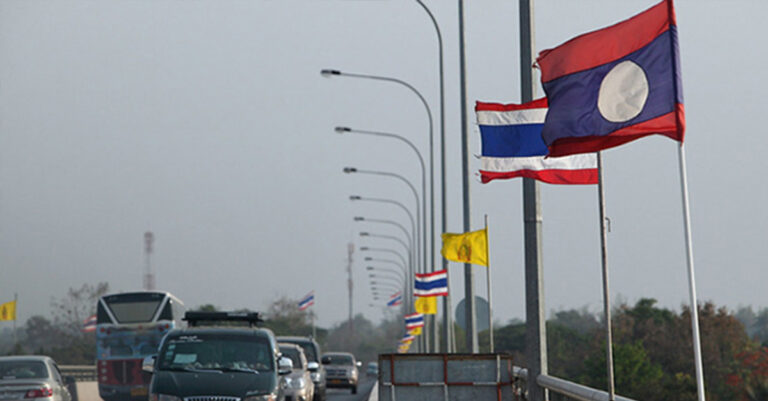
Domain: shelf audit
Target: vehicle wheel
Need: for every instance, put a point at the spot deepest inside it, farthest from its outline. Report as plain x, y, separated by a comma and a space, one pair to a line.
354, 390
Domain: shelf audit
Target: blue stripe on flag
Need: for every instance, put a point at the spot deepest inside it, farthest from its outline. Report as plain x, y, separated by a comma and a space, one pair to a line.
520, 140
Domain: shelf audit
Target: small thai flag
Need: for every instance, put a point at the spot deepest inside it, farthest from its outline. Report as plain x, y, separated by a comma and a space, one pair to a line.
431, 284
396, 299
413, 321
307, 301
89, 324
407, 339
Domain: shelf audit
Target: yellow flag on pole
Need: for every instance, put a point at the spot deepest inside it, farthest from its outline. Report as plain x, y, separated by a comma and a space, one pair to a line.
471, 247
8, 311
416, 331
425, 305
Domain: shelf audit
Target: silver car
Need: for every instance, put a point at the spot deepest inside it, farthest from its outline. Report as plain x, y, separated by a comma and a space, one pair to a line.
297, 385
31, 378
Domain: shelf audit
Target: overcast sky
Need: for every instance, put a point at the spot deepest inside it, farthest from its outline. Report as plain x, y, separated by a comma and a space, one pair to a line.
208, 123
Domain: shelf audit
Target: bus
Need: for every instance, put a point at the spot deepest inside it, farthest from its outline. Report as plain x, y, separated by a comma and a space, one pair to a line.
129, 327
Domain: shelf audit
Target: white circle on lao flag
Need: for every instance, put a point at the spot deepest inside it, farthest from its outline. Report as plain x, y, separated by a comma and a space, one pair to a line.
623, 92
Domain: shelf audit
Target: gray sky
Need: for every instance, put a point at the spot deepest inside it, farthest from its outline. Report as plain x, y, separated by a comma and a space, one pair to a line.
208, 123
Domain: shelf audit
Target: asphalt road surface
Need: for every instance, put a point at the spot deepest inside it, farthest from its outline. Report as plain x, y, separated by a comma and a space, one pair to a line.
363, 391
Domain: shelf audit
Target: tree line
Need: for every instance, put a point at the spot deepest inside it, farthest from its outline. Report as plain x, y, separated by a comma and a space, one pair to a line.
653, 354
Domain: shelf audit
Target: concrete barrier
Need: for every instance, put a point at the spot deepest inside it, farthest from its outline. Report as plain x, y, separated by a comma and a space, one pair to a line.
87, 391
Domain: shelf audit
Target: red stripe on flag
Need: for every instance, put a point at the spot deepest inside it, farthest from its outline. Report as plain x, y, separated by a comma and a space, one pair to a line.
533, 104
671, 125
608, 44
559, 177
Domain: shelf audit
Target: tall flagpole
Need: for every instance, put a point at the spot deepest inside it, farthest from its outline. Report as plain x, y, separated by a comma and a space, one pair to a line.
535, 317
606, 291
15, 317
488, 277
691, 276
469, 278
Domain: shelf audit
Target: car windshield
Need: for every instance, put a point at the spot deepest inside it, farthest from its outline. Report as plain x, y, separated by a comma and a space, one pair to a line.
10, 370
216, 351
308, 347
338, 360
292, 354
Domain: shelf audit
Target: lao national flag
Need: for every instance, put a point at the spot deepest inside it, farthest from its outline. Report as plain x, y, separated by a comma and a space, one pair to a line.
89, 324
614, 85
307, 301
512, 146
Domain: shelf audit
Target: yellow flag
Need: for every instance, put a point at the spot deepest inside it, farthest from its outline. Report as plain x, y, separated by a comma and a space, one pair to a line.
425, 305
471, 247
8, 311
416, 331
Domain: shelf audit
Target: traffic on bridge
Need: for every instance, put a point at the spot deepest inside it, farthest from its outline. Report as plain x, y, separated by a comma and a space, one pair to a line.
411, 200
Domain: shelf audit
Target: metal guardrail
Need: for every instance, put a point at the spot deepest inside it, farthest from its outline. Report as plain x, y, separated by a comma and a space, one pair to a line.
564, 388
81, 373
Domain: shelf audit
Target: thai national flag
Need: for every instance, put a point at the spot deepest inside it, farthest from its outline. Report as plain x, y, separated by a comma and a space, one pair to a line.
407, 339
413, 321
614, 85
512, 146
396, 299
89, 324
431, 284
307, 301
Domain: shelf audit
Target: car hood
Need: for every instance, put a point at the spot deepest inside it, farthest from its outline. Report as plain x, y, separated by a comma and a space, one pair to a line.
233, 384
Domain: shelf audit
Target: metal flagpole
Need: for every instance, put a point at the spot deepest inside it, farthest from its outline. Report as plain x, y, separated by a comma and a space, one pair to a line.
488, 277
535, 317
691, 276
469, 279
606, 292
15, 317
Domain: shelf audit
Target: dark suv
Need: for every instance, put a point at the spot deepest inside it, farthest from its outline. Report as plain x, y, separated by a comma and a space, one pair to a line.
312, 351
216, 363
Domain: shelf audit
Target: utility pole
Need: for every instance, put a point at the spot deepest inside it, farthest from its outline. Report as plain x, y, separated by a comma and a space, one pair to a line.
350, 251
149, 276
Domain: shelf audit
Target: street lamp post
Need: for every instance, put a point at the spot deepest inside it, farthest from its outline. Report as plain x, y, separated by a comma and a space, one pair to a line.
392, 251
385, 221
353, 170
409, 290
332, 72
397, 273
424, 225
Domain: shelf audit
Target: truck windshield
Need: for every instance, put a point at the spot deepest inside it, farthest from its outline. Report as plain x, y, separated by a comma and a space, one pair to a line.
334, 359
216, 351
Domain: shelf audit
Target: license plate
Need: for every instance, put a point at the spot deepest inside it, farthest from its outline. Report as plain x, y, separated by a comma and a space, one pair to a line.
138, 391
337, 381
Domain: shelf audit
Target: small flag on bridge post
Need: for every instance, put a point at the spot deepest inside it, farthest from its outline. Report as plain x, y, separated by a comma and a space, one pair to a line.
471, 247
414, 323
307, 301
8, 311
89, 324
431, 284
396, 299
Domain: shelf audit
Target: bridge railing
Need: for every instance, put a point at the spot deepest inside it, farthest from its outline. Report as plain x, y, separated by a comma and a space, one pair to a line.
81, 373
560, 390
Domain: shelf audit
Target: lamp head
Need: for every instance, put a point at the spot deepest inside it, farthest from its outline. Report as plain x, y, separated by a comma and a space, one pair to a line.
369, 268
368, 259
364, 234
354, 197
358, 218
349, 170
341, 130
329, 73
364, 248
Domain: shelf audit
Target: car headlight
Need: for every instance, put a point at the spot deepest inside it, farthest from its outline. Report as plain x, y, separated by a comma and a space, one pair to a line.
315, 376
263, 397
163, 397
298, 383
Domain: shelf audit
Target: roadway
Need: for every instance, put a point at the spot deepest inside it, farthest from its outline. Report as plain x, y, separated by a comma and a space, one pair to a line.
363, 391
